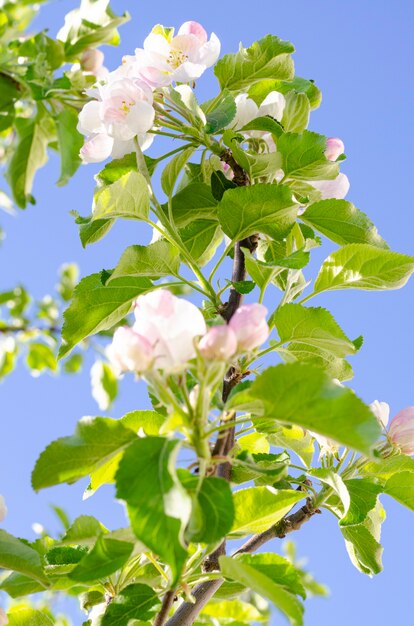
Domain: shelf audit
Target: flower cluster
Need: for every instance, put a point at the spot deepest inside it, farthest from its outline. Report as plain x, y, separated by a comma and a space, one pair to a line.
274, 105
122, 106
166, 328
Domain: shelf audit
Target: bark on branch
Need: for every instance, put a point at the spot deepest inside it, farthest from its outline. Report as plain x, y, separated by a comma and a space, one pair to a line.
187, 613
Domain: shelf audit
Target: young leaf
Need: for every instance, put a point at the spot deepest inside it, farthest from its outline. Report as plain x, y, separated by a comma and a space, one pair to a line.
194, 202
106, 557
155, 260
363, 493
213, 510
267, 58
96, 307
322, 406
401, 487
18, 585
385, 468
258, 508
342, 222
29, 155
251, 577
19, 557
91, 230
362, 541
201, 238
314, 337
67, 459
128, 197
84, 531
70, 142
19, 616
296, 113
173, 169
268, 209
260, 90
334, 480
135, 602
159, 508
222, 114
362, 266
303, 157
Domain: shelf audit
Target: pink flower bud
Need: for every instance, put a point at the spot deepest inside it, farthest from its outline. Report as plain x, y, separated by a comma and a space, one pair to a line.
130, 351
250, 326
219, 343
92, 60
193, 28
3, 618
334, 148
401, 431
3, 509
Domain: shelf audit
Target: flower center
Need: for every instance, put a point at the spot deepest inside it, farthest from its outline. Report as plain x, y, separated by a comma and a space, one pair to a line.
176, 58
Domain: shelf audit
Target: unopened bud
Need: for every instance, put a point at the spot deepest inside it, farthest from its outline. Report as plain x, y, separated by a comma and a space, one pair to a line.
401, 431
220, 343
92, 60
381, 410
3, 618
334, 148
250, 326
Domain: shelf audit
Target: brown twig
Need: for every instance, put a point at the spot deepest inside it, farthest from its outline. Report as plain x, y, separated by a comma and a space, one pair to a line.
166, 605
188, 612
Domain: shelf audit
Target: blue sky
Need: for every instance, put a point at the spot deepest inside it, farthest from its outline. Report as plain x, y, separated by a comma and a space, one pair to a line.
361, 55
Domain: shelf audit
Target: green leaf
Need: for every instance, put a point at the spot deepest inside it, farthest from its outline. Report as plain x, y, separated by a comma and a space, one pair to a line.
401, 487
79, 32
361, 266
267, 58
159, 508
96, 307
194, 202
18, 585
106, 557
127, 197
91, 230
334, 480
244, 286
104, 384
293, 438
265, 124
278, 569
213, 509
322, 406
135, 602
313, 336
260, 90
234, 611
385, 468
154, 260
70, 142
251, 577
342, 222
268, 209
19, 557
258, 508
84, 531
220, 184
304, 158
362, 542
222, 114
28, 617
173, 170
201, 238
67, 459
40, 357
364, 494
29, 155
296, 113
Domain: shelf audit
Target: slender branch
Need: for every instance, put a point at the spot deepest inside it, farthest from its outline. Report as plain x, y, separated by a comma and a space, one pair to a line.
188, 612
167, 603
